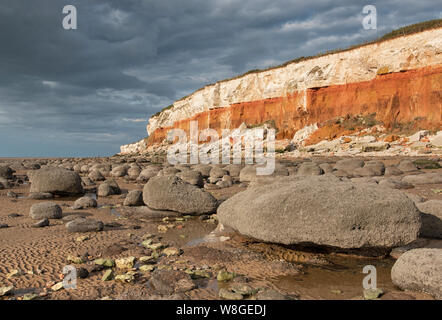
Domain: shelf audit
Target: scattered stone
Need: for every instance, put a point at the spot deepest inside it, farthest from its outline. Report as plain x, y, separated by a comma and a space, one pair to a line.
126, 278
85, 202
82, 238
192, 177
225, 276
108, 188
84, 225
107, 263
12, 194
392, 171
14, 215
30, 296
217, 172
57, 287
349, 165
40, 196
372, 294
14, 273
125, 263
407, 166
96, 175
74, 259
5, 291
198, 274
6, 172
243, 289
426, 178
271, 294
108, 275
56, 181
134, 198
47, 210
419, 270
431, 218
172, 251
172, 193
167, 282
82, 273
309, 169
147, 268
229, 295
41, 224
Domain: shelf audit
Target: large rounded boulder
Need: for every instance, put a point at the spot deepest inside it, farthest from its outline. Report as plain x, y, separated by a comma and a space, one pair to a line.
172, 193
323, 210
419, 270
56, 181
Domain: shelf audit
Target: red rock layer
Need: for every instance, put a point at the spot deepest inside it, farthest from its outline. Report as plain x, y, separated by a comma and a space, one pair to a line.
395, 98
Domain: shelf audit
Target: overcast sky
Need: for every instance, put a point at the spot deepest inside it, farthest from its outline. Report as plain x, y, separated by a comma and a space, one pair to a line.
85, 92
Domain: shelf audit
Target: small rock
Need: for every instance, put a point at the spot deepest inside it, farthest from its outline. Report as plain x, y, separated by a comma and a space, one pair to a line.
243, 289
74, 259
125, 263
84, 202
147, 268
14, 273
84, 225
30, 296
128, 277
225, 276
107, 275
172, 251
107, 263
229, 295
82, 238
372, 294
5, 291
47, 210
42, 223
57, 287
82, 273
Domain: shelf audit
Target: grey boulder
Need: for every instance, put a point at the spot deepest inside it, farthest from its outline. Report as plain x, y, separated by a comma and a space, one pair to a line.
47, 210
84, 225
108, 188
172, 193
85, 202
323, 210
426, 178
134, 198
56, 181
419, 270
431, 218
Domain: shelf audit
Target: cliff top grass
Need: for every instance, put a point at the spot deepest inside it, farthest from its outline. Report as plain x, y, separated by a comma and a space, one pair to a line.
400, 32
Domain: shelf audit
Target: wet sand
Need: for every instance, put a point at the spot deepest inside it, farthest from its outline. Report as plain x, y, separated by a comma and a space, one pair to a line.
40, 254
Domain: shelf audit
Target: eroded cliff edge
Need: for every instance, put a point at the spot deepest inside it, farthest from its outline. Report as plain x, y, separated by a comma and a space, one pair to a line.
397, 81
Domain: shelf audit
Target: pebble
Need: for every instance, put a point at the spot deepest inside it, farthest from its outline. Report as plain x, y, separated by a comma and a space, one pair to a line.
372, 294
125, 263
4, 291
225, 276
108, 274
108, 263
229, 295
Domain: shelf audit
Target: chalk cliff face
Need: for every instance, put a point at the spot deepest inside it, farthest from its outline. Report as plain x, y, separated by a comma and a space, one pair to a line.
399, 80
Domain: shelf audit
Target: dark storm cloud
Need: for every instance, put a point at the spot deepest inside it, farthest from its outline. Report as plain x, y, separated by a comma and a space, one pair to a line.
87, 91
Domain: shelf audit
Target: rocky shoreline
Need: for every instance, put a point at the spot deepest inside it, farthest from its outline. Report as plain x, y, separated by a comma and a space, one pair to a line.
136, 227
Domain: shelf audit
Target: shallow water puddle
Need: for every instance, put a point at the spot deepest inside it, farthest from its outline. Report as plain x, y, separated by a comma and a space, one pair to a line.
341, 282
